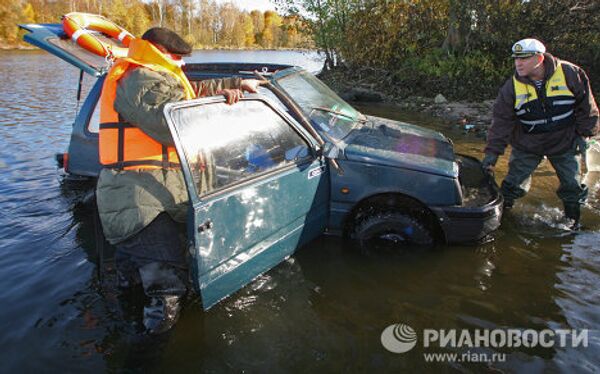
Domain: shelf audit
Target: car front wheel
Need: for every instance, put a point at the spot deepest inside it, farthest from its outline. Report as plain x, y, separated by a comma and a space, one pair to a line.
390, 230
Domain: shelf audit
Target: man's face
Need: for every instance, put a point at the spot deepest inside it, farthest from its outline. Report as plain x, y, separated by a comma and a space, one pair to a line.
525, 66
177, 59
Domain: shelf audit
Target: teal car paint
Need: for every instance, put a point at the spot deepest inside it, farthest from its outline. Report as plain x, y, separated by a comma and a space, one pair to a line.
261, 186
243, 227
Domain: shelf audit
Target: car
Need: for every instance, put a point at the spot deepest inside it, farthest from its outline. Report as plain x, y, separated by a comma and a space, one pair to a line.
290, 163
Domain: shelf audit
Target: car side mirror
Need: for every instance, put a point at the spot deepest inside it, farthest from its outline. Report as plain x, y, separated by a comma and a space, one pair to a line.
330, 150
296, 153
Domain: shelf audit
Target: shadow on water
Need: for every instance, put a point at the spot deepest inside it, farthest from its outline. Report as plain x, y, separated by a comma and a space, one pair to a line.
321, 310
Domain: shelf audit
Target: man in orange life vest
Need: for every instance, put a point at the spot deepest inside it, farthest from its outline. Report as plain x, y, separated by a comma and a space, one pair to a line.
546, 109
141, 195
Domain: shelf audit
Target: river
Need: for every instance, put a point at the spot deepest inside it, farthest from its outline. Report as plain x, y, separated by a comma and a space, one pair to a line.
324, 309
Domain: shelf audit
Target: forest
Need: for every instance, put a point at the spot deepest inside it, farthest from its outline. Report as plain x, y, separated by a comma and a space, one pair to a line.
402, 47
203, 23
458, 47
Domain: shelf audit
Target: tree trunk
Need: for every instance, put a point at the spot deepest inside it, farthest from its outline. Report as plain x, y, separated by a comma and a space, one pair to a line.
453, 38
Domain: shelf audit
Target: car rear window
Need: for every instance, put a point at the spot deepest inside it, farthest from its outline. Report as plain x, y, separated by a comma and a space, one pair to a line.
72, 48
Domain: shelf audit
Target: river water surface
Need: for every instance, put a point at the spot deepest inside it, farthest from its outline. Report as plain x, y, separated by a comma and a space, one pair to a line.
324, 309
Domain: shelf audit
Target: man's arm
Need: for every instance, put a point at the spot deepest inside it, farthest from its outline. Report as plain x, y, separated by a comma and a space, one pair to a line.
231, 88
586, 111
141, 97
503, 121
212, 87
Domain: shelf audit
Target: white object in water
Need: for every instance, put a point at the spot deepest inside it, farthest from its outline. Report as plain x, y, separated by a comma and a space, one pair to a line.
592, 155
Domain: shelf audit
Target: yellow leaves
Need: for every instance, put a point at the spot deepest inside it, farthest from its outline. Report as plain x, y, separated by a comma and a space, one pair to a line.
201, 22
248, 29
29, 13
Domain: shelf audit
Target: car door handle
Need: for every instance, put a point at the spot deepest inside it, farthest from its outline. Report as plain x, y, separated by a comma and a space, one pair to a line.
205, 226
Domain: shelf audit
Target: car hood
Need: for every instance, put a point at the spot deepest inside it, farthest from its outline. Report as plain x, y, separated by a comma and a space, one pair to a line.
391, 143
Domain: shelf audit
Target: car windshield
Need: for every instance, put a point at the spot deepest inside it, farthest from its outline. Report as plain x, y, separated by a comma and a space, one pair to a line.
331, 115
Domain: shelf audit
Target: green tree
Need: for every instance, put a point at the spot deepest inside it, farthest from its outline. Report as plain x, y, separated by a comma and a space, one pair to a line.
327, 22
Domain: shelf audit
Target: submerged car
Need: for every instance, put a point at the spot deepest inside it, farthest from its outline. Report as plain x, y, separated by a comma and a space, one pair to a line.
294, 161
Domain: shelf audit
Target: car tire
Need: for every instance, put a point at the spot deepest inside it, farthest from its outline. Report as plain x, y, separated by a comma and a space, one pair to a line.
392, 230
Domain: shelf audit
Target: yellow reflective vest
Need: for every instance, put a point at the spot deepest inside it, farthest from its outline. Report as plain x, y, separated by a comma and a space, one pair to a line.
548, 109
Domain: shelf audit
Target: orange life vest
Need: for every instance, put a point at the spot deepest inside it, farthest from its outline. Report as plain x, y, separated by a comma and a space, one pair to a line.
122, 145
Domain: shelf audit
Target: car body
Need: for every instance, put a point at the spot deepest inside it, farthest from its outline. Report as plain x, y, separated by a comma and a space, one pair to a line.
294, 161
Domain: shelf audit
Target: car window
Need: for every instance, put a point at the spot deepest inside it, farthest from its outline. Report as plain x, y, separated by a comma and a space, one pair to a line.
328, 111
94, 124
227, 144
68, 46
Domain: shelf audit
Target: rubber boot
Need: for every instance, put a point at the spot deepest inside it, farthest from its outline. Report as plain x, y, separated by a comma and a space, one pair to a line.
165, 287
126, 281
573, 213
128, 275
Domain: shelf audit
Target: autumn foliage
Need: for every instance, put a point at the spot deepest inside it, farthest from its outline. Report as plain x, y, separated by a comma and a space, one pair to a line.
460, 48
203, 23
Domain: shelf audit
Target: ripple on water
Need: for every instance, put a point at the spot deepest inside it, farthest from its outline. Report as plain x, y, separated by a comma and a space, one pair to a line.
579, 299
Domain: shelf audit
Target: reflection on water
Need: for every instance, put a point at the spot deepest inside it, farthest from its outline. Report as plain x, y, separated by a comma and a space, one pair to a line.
323, 309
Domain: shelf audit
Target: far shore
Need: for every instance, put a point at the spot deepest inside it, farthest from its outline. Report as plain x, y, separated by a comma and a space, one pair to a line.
27, 47
18, 47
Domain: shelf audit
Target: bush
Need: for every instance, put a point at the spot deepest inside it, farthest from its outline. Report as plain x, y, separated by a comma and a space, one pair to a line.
474, 76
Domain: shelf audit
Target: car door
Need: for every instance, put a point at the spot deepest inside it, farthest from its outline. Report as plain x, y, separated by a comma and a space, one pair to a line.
257, 189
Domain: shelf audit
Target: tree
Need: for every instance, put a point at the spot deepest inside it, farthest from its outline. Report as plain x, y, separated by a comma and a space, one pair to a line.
11, 13
200, 22
271, 33
248, 29
327, 22
258, 22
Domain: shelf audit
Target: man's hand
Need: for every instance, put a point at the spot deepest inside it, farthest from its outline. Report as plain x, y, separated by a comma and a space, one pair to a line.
581, 144
489, 161
251, 85
231, 95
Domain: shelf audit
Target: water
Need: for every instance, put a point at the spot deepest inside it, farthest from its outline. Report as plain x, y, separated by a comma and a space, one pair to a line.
322, 310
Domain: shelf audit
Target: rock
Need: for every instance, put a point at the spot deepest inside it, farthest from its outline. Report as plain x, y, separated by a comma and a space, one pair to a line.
368, 95
362, 94
440, 99
348, 95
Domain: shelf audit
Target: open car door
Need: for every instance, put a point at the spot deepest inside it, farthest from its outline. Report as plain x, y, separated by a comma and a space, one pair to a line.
257, 189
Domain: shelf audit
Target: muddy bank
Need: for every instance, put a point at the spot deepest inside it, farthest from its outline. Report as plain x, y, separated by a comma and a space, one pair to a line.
375, 87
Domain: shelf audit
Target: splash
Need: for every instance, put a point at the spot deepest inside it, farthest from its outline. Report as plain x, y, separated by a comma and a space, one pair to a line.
592, 157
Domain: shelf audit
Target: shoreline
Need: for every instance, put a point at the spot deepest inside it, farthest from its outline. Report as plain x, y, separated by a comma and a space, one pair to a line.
27, 47
253, 49
5, 47
470, 116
